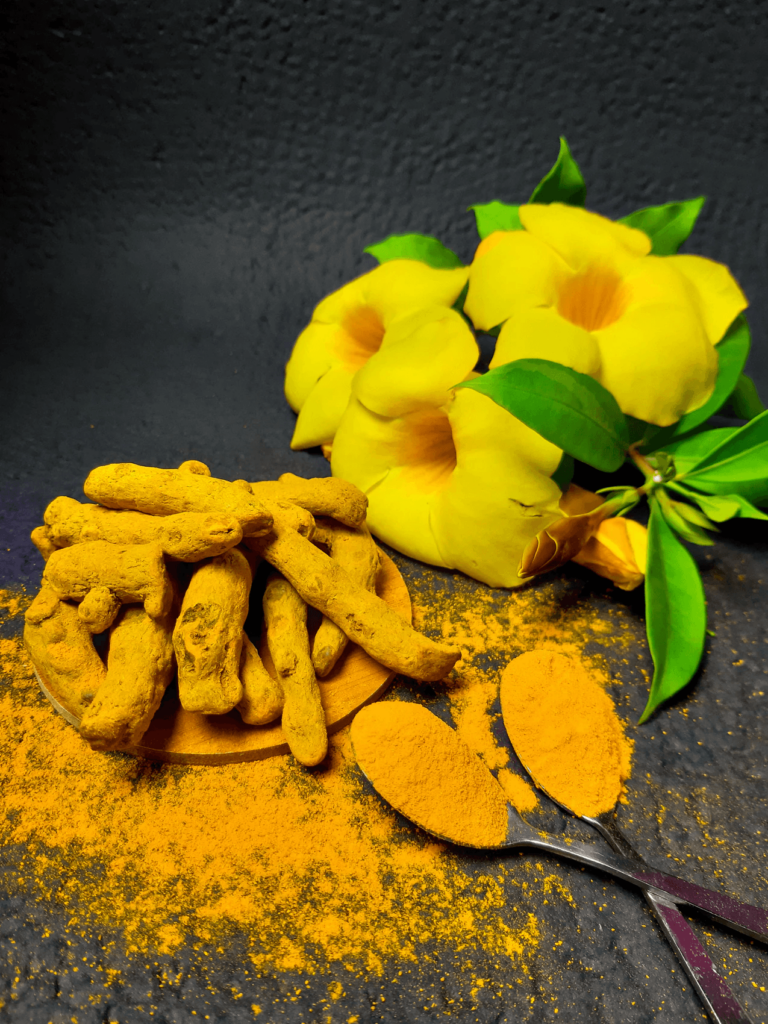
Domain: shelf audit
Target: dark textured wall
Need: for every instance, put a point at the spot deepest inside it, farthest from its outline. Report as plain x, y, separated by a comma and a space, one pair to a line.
183, 181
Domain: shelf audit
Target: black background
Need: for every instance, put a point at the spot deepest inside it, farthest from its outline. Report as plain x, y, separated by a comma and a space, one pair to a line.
183, 182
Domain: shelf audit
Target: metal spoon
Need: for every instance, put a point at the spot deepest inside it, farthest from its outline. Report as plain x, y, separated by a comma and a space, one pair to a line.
718, 999
425, 729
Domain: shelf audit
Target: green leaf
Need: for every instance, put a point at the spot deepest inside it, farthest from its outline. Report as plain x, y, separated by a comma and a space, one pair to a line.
720, 507
667, 226
732, 352
568, 408
694, 516
688, 451
675, 612
496, 216
564, 472
564, 183
423, 248
739, 465
745, 401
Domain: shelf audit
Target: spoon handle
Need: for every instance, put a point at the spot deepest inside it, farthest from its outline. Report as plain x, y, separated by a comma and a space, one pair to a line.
742, 917
713, 991
720, 1003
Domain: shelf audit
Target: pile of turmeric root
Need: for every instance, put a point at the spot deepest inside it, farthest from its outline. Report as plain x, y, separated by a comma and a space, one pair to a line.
164, 560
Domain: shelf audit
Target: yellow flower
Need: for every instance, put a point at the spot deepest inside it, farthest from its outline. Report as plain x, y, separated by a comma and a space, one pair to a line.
582, 290
347, 328
451, 478
618, 551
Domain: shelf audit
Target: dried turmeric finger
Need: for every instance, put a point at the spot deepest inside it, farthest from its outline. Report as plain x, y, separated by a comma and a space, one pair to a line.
363, 616
285, 618
164, 492
356, 552
193, 466
186, 536
262, 695
323, 496
62, 650
208, 637
42, 538
133, 572
140, 666
98, 609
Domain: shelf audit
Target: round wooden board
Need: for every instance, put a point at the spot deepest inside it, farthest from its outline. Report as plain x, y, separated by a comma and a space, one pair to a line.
183, 737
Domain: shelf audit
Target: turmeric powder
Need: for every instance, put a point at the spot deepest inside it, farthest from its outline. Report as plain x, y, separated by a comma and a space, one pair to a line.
421, 767
565, 730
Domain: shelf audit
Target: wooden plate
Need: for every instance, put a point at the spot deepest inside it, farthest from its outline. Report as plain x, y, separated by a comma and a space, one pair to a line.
183, 737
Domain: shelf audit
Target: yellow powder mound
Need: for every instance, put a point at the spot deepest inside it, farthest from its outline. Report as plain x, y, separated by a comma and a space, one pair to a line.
565, 730
422, 768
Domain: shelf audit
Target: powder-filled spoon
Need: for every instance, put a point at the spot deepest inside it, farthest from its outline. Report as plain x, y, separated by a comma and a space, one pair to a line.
571, 743
419, 765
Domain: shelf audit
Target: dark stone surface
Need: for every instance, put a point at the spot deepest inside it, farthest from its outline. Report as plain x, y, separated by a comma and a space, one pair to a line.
182, 184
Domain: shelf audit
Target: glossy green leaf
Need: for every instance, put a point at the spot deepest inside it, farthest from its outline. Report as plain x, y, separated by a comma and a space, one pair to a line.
695, 516
496, 216
675, 612
721, 507
688, 451
564, 183
423, 248
745, 401
732, 354
564, 472
667, 226
739, 465
568, 408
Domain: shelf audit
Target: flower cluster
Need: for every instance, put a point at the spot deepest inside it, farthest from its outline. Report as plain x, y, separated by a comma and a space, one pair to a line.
386, 372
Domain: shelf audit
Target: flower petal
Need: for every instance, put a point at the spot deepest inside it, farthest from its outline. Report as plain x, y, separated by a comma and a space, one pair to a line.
324, 406
400, 285
581, 237
657, 361
314, 353
544, 334
500, 494
719, 296
367, 451
518, 270
424, 354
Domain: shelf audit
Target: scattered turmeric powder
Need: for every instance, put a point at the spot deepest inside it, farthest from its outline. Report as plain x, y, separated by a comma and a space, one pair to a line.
565, 730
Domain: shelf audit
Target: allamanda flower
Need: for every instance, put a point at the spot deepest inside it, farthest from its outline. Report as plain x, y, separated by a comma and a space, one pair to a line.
582, 290
350, 326
451, 478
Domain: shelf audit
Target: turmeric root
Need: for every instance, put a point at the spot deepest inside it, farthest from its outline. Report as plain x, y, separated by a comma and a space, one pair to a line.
42, 538
61, 647
186, 536
363, 616
140, 666
164, 492
285, 618
323, 496
356, 552
208, 637
132, 572
262, 695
